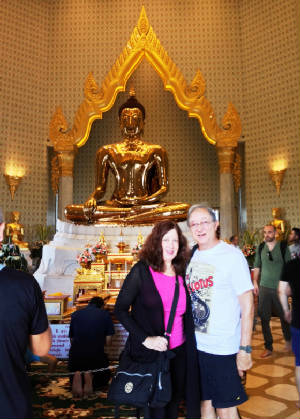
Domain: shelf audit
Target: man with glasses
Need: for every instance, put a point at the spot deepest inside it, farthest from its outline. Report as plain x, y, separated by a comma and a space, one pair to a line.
219, 283
268, 265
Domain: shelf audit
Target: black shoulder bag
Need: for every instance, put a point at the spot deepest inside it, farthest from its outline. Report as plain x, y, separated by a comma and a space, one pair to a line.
145, 384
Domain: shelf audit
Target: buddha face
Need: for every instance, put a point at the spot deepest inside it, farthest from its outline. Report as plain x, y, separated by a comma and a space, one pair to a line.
275, 212
16, 215
131, 122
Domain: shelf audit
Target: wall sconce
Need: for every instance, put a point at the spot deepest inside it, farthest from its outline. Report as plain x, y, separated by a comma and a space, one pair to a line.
13, 183
277, 177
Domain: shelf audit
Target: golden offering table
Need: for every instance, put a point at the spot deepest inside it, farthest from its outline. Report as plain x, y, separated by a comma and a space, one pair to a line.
118, 266
107, 275
89, 281
57, 306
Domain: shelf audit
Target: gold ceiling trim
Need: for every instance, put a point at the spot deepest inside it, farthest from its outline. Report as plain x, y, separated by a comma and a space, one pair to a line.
144, 43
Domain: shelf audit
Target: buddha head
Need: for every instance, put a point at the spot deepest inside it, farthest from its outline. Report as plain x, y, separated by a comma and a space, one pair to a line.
132, 116
276, 212
15, 216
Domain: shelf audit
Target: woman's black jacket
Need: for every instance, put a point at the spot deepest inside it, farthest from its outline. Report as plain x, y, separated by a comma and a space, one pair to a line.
146, 318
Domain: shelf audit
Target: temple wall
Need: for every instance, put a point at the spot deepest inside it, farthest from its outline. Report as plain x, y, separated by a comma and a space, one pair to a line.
24, 108
246, 50
271, 117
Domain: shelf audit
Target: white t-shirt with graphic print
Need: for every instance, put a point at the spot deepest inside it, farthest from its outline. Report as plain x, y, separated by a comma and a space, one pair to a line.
215, 278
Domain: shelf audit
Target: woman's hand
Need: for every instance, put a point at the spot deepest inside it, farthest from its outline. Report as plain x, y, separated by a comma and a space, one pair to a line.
157, 343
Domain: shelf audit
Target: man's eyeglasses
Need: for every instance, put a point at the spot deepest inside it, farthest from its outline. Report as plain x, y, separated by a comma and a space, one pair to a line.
201, 224
270, 256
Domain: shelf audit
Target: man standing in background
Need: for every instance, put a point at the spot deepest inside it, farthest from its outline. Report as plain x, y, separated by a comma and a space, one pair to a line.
23, 323
270, 259
294, 242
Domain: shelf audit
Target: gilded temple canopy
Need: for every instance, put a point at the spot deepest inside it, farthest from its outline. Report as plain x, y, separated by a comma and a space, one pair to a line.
144, 44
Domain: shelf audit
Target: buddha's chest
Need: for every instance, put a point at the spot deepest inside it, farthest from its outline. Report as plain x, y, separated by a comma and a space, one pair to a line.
129, 158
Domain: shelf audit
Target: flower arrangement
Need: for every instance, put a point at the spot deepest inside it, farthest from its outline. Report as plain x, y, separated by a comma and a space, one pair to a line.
100, 248
249, 250
250, 241
86, 256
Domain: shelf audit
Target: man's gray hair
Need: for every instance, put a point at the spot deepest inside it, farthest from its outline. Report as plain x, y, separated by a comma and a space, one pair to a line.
1, 216
202, 206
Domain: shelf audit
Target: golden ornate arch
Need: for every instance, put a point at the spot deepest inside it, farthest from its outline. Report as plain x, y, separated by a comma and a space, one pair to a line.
143, 43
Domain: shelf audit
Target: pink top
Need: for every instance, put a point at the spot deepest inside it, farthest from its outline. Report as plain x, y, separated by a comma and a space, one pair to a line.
166, 286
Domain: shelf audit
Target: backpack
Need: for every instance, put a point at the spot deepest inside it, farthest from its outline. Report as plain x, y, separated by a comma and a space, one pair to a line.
283, 247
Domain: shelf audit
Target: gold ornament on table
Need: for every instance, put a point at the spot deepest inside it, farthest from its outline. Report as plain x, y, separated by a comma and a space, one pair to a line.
138, 246
99, 250
140, 171
15, 231
140, 240
277, 178
121, 245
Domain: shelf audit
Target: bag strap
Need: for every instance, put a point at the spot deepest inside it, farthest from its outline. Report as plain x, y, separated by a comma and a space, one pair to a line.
260, 248
283, 246
173, 309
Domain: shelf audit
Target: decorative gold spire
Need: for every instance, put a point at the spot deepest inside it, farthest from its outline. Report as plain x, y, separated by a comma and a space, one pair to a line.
144, 43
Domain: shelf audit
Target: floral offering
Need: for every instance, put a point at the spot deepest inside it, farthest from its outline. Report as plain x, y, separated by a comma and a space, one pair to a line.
99, 249
249, 250
86, 256
249, 253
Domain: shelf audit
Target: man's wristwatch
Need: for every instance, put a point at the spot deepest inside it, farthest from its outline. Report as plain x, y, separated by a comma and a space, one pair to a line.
247, 349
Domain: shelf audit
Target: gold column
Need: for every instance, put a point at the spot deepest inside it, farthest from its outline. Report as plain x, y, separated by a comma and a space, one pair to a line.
226, 158
226, 145
66, 162
63, 162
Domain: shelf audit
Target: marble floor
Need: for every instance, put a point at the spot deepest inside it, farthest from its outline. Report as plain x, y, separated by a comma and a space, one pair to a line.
270, 384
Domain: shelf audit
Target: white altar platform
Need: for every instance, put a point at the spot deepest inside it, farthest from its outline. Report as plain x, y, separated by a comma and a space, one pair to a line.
58, 266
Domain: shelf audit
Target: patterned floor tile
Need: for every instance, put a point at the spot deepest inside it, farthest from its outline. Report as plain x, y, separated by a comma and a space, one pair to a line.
265, 408
270, 384
288, 360
271, 370
253, 381
283, 391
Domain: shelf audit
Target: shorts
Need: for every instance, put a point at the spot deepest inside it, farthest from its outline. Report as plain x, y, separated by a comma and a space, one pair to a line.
220, 380
296, 344
30, 357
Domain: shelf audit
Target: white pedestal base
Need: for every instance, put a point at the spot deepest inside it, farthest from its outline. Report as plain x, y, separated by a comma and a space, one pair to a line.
58, 266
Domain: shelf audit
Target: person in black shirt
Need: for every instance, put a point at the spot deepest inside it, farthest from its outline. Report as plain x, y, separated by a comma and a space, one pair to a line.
90, 329
23, 323
289, 285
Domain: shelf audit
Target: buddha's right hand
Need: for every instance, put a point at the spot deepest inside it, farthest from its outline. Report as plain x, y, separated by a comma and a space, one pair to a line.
89, 207
156, 343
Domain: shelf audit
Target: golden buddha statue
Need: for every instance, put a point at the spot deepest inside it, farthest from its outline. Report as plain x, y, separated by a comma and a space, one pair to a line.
15, 231
278, 223
140, 171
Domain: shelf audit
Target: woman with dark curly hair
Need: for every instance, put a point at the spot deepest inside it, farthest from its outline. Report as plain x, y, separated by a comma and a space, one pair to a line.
143, 307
